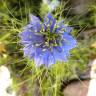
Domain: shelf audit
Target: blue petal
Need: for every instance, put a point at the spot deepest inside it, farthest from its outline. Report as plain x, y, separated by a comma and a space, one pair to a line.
68, 42
51, 59
68, 29
35, 23
44, 57
62, 26
26, 42
38, 61
37, 58
48, 17
40, 57
49, 21
61, 56
30, 37
52, 25
29, 51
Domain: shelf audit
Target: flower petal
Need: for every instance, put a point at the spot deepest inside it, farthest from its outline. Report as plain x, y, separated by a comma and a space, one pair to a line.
49, 21
35, 23
30, 37
29, 51
60, 55
37, 58
69, 42
44, 57
61, 26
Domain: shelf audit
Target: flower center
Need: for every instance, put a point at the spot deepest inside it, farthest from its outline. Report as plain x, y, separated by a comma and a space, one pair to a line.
51, 39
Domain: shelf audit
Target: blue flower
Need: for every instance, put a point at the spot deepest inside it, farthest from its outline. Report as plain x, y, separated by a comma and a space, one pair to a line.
47, 42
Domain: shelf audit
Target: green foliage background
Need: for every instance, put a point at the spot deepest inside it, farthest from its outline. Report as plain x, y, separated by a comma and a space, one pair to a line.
28, 80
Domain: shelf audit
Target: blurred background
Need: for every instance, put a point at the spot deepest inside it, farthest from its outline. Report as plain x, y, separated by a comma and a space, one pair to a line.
28, 80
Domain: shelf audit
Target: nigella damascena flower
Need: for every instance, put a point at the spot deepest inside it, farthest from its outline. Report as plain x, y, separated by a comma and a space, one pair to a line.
47, 42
